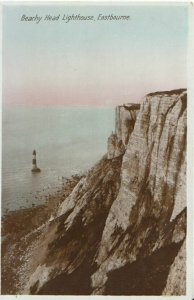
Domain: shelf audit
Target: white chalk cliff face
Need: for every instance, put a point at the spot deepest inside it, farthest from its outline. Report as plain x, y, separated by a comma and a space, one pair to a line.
124, 124
153, 190
122, 229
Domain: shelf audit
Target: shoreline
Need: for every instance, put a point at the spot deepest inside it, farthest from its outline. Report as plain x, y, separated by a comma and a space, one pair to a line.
20, 225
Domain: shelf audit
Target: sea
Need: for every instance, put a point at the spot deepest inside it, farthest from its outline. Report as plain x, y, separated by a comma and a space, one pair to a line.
67, 141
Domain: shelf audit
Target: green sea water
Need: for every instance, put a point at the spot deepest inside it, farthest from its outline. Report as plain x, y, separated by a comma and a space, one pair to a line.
68, 141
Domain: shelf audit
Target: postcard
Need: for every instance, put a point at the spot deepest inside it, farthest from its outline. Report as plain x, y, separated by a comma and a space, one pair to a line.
95, 174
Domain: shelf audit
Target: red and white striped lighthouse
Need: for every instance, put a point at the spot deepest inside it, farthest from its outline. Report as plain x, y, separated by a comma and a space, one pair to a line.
35, 169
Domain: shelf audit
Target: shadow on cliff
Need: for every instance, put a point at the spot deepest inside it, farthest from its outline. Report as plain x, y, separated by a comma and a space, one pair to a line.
147, 276
76, 283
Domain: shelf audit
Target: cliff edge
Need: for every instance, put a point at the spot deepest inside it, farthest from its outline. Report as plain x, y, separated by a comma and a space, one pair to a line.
121, 228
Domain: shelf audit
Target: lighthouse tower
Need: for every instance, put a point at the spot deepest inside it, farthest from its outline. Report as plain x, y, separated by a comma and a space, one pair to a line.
35, 169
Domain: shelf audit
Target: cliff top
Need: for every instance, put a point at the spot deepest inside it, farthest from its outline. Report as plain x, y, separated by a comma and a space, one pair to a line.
130, 106
169, 93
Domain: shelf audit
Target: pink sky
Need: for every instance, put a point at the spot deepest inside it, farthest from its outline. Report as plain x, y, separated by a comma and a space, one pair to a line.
98, 64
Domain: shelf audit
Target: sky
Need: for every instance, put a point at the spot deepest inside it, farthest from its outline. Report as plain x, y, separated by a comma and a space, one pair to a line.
93, 63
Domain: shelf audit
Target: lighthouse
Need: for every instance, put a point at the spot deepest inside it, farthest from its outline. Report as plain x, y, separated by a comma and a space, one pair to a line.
35, 169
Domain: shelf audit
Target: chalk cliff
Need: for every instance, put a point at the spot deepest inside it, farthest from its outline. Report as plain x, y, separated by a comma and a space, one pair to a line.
121, 229
124, 124
152, 193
